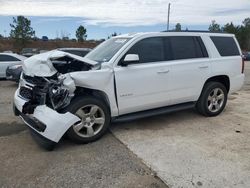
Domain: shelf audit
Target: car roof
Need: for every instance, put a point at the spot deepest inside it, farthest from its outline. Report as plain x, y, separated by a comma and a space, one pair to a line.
15, 55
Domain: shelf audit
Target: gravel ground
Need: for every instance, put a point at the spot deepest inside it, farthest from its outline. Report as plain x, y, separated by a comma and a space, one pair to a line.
105, 163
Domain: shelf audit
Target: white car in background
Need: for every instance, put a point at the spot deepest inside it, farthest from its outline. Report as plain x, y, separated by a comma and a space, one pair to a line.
9, 59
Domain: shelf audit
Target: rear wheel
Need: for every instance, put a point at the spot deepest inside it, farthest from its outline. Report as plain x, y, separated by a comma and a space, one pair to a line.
95, 119
213, 99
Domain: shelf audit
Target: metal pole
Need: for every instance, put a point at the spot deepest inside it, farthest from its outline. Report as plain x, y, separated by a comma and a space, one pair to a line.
168, 15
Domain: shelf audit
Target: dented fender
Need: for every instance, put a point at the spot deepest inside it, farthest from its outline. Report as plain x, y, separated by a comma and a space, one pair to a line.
102, 80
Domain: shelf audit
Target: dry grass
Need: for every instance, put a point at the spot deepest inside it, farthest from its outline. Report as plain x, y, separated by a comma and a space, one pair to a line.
8, 44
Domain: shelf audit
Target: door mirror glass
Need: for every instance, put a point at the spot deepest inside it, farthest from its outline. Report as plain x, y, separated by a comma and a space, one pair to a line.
130, 58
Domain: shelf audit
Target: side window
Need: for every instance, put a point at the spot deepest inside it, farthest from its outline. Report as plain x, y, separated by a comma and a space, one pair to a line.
7, 58
149, 50
187, 47
226, 46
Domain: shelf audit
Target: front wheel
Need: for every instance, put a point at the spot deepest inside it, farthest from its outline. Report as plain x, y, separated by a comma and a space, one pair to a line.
213, 99
95, 119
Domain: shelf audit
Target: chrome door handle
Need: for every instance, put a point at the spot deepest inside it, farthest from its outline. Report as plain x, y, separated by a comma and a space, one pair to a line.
203, 67
163, 72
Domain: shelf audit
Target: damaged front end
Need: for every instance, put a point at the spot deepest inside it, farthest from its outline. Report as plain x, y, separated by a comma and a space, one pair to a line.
45, 89
56, 92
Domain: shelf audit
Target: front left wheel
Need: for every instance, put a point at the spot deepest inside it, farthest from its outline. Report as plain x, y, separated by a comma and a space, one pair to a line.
95, 119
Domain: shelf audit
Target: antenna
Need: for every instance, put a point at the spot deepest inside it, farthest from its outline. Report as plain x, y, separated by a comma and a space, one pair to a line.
168, 15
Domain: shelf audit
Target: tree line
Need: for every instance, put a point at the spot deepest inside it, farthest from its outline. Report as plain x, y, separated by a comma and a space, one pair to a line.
22, 32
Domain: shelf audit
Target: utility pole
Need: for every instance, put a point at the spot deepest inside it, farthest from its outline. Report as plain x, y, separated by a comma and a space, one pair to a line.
168, 15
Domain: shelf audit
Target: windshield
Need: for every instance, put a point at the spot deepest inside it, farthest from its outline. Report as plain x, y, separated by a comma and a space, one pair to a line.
105, 51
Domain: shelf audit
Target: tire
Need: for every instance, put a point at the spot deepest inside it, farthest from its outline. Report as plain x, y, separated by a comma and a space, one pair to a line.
95, 116
213, 99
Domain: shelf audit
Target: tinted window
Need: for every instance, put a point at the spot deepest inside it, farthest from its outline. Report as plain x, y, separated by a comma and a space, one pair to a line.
226, 46
185, 47
8, 58
149, 50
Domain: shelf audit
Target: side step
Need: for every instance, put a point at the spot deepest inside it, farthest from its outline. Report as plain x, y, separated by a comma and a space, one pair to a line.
153, 112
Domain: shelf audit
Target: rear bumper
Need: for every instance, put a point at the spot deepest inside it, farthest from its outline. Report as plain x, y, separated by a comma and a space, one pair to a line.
45, 121
236, 83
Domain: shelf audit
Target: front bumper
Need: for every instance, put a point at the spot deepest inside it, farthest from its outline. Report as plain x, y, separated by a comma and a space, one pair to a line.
45, 121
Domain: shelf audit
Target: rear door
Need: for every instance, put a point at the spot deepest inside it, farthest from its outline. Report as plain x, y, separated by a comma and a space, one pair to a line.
190, 68
144, 85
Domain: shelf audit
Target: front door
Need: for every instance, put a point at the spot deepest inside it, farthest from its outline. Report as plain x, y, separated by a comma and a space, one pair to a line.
145, 84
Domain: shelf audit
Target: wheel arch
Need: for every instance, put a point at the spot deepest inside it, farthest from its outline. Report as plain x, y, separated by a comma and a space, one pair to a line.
223, 79
81, 91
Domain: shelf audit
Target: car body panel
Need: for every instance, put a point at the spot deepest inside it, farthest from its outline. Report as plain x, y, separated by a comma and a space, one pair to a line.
41, 64
56, 124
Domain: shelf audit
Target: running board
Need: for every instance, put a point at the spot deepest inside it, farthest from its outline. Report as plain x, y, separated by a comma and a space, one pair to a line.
153, 112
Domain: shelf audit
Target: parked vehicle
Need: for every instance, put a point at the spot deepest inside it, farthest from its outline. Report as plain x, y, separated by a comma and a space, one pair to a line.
7, 51
124, 78
28, 52
14, 72
9, 59
246, 56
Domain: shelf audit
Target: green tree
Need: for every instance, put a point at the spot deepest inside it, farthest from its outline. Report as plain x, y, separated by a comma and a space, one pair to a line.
178, 27
81, 33
245, 34
231, 28
21, 30
214, 27
112, 35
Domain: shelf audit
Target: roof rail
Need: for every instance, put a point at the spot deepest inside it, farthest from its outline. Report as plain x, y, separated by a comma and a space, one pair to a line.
196, 31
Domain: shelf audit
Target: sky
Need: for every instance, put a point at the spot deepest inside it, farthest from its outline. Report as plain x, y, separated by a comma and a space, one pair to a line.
54, 18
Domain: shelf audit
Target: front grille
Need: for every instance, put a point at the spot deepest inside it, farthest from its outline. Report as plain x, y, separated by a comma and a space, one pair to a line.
25, 93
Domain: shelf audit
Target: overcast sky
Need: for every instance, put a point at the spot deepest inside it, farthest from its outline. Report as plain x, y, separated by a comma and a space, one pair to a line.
126, 14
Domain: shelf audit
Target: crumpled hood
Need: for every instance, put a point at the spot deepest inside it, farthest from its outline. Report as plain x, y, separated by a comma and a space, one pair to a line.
41, 64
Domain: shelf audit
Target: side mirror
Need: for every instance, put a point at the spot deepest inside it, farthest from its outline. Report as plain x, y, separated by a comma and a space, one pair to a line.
130, 58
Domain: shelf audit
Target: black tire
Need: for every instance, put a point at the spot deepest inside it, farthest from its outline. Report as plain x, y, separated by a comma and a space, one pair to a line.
82, 101
202, 104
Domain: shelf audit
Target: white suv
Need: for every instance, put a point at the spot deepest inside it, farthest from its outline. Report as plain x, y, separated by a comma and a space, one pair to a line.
124, 78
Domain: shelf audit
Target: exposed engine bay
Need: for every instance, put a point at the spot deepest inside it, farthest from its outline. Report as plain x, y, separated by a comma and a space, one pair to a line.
54, 90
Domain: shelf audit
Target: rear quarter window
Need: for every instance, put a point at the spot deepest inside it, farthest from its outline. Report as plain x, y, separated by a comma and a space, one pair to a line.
226, 46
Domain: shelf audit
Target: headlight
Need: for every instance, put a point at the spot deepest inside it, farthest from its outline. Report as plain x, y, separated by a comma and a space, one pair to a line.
15, 67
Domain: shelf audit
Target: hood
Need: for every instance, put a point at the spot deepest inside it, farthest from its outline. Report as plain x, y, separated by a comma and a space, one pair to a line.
41, 64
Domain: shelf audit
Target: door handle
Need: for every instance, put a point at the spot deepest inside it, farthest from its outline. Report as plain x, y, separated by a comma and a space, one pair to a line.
203, 67
163, 72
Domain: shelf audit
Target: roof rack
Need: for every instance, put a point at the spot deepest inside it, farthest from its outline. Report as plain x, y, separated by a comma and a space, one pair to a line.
196, 31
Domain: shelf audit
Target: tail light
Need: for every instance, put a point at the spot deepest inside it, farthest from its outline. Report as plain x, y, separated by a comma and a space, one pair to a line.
243, 65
